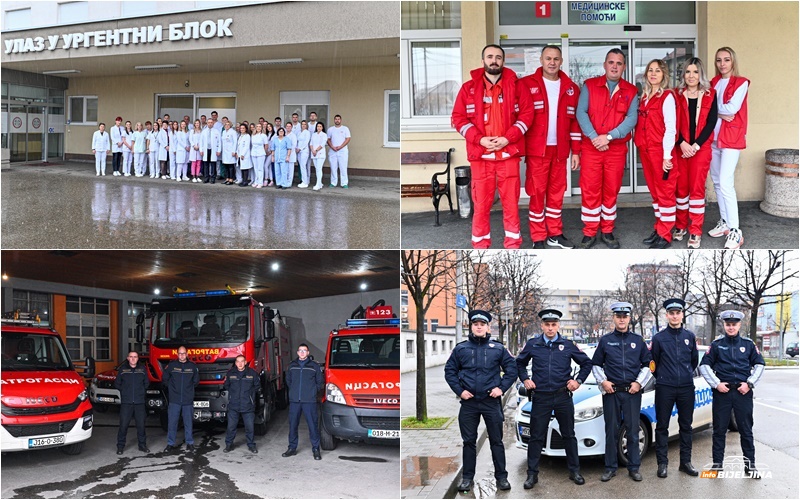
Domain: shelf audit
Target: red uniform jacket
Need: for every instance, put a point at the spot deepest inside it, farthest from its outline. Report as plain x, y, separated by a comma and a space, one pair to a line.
650, 127
607, 113
468, 118
732, 134
682, 115
568, 131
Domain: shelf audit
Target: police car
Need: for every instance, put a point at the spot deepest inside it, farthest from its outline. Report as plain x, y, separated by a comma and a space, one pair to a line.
590, 425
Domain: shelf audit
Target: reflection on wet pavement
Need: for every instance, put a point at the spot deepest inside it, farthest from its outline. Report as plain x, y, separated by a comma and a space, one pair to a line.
419, 471
47, 210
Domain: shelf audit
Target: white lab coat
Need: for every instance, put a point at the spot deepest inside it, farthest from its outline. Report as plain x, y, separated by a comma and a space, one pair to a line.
319, 139
116, 136
181, 143
229, 144
196, 139
100, 141
212, 141
292, 145
161, 140
243, 150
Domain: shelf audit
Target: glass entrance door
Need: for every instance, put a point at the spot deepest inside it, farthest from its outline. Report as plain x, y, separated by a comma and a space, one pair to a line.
26, 125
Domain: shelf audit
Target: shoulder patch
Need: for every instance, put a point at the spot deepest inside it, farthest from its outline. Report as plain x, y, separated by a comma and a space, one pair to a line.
747, 339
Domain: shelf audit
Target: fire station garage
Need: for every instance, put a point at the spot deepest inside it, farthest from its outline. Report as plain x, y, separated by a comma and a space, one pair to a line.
92, 308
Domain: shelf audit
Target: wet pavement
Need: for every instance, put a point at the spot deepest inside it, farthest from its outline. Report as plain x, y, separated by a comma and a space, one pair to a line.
634, 222
207, 473
776, 435
67, 206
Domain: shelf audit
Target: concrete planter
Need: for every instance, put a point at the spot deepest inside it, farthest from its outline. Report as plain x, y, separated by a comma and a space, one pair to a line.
781, 184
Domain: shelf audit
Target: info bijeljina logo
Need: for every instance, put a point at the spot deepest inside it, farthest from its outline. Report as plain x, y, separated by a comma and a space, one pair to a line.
736, 467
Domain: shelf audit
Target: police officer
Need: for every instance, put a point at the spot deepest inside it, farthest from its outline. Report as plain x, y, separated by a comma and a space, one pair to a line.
553, 384
674, 351
732, 367
473, 372
621, 367
180, 378
242, 383
132, 383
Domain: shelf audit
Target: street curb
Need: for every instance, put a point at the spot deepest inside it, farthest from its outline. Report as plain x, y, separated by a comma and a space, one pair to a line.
781, 367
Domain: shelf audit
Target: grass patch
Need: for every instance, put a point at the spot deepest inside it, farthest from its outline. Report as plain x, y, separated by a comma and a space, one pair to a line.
431, 423
776, 362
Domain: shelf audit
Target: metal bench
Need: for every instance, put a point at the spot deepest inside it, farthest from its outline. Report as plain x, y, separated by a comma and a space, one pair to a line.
435, 189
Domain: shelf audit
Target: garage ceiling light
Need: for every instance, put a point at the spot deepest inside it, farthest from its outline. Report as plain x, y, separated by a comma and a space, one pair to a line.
60, 72
262, 62
157, 66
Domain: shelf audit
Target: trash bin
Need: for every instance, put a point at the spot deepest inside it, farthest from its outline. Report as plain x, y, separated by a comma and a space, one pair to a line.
781, 183
463, 195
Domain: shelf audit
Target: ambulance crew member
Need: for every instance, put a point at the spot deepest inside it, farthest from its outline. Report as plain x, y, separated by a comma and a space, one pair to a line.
291, 156
180, 378
182, 149
338, 139
655, 138
213, 143
258, 153
100, 145
139, 145
132, 383
547, 146
304, 381
152, 148
243, 154
674, 351
318, 140
607, 114
697, 116
127, 149
493, 111
116, 145
242, 383
479, 371
230, 141
732, 367
196, 148
280, 155
621, 367
163, 149
729, 141
552, 384
303, 139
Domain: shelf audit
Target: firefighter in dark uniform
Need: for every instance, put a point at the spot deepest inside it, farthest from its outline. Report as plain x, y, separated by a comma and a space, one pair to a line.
674, 351
621, 368
552, 384
242, 384
132, 383
473, 372
732, 367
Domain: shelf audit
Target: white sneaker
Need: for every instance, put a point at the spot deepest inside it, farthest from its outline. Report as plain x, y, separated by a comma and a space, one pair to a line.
97, 174
721, 229
317, 187
734, 240
185, 178
127, 175
178, 179
678, 234
694, 241
303, 185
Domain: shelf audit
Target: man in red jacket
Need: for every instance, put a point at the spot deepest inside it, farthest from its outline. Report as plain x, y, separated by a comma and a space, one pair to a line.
607, 113
493, 115
547, 145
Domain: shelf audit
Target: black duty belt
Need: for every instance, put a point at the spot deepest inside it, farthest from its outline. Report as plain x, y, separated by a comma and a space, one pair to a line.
621, 388
531, 392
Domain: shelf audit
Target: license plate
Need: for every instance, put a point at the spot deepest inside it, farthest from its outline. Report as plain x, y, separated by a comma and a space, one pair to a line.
48, 441
202, 404
380, 433
524, 431
103, 399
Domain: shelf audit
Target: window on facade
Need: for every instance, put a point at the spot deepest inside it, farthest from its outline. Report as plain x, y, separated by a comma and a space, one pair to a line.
665, 12
18, 19
430, 15
73, 12
451, 345
25, 301
403, 298
83, 110
433, 347
303, 102
529, 13
139, 8
435, 77
391, 124
88, 328
434, 325
409, 347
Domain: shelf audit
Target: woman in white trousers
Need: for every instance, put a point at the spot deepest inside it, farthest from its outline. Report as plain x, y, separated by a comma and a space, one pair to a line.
318, 141
101, 143
139, 146
258, 155
127, 149
181, 152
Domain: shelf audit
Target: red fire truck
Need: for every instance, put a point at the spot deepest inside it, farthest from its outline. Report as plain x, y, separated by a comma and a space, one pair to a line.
44, 400
216, 326
362, 379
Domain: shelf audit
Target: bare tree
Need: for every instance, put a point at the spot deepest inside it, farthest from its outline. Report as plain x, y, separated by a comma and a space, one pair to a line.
593, 314
634, 292
475, 272
685, 284
715, 269
426, 274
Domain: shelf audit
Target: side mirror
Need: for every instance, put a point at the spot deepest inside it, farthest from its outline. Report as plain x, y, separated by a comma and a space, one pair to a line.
88, 372
140, 328
269, 329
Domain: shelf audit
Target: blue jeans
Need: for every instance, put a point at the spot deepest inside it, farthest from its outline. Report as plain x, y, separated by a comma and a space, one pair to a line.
310, 412
233, 421
173, 412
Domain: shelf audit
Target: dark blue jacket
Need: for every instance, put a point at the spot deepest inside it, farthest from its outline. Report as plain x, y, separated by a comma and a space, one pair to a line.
732, 358
304, 381
475, 366
622, 356
242, 387
180, 380
132, 384
552, 367
675, 355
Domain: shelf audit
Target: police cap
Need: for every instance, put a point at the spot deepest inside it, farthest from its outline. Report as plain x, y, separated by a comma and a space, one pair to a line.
621, 307
479, 315
674, 304
731, 315
550, 315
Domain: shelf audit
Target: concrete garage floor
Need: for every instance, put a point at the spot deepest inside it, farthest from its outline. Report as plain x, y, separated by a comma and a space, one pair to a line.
67, 206
98, 472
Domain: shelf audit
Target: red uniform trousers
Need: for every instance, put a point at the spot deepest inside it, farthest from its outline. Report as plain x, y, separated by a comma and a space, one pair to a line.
662, 191
600, 182
545, 183
691, 189
486, 175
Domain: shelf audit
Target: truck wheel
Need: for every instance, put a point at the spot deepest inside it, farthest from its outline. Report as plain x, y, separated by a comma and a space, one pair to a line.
326, 440
264, 414
72, 449
623, 443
